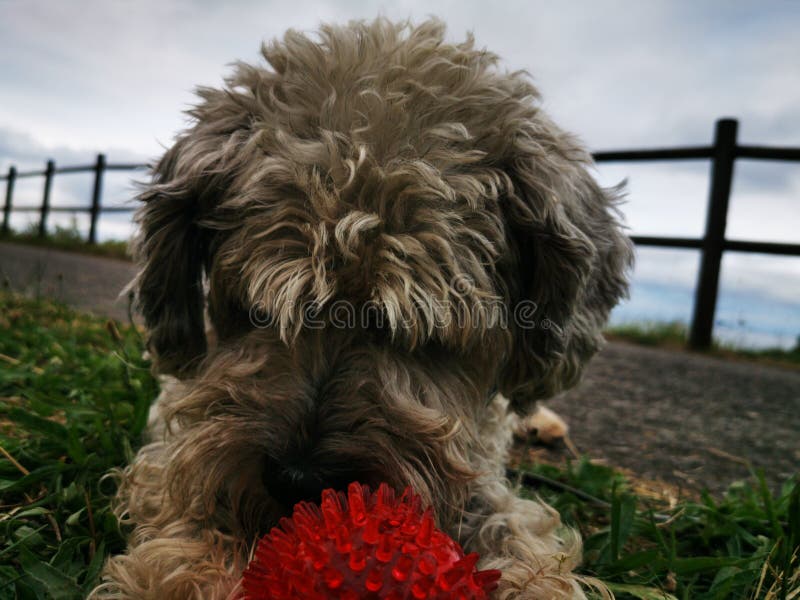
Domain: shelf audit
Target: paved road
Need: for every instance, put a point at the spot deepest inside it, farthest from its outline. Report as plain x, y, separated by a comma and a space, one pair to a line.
686, 419
90, 283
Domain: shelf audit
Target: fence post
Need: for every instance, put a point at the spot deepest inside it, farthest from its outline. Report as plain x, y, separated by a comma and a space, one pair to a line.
12, 176
94, 213
48, 183
705, 302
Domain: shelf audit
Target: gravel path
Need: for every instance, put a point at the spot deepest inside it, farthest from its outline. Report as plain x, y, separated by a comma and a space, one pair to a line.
686, 419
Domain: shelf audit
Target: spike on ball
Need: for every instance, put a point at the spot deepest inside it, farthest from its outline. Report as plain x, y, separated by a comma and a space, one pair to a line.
363, 545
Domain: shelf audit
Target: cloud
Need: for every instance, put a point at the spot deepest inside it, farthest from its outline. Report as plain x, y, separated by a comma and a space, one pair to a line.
619, 73
26, 152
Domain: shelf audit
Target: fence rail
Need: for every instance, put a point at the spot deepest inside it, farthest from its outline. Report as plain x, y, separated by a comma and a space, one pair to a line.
94, 209
723, 154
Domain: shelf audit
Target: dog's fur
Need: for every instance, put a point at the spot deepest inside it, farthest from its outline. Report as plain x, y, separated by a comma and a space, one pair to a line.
379, 169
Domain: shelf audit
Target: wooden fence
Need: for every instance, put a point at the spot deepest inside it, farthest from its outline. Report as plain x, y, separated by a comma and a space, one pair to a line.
94, 209
722, 153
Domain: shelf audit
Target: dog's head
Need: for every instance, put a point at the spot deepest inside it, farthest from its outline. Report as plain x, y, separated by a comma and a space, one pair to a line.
384, 228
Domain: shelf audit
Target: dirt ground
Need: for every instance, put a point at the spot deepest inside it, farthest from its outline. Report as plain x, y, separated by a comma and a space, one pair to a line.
686, 419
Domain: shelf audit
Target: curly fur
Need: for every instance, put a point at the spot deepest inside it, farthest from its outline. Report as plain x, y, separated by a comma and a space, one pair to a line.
376, 168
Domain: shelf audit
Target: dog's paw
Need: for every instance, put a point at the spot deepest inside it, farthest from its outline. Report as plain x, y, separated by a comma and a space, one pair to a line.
543, 425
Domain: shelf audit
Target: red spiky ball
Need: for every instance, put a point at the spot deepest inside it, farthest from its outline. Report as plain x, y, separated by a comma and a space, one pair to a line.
363, 546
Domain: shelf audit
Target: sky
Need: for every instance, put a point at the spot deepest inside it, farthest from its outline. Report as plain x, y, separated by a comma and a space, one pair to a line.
82, 77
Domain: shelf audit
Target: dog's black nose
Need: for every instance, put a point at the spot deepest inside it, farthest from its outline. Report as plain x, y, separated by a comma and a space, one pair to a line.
291, 484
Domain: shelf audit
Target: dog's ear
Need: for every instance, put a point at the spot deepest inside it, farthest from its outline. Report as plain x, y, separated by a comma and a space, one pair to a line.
572, 259
171, 249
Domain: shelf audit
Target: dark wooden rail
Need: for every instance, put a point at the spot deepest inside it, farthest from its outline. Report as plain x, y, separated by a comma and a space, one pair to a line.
722, 154
44, 210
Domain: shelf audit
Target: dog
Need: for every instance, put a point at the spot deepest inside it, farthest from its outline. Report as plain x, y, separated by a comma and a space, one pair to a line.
357, 264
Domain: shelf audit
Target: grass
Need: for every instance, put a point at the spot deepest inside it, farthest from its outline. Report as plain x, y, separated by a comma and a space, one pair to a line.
652, 333
674, 334
69, 239
74, 394
742, 546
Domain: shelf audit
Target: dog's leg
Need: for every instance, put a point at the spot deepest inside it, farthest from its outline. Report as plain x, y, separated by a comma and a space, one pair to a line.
524, 539
170, 555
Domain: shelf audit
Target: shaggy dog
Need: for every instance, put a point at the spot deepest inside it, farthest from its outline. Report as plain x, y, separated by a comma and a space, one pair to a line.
392, 245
